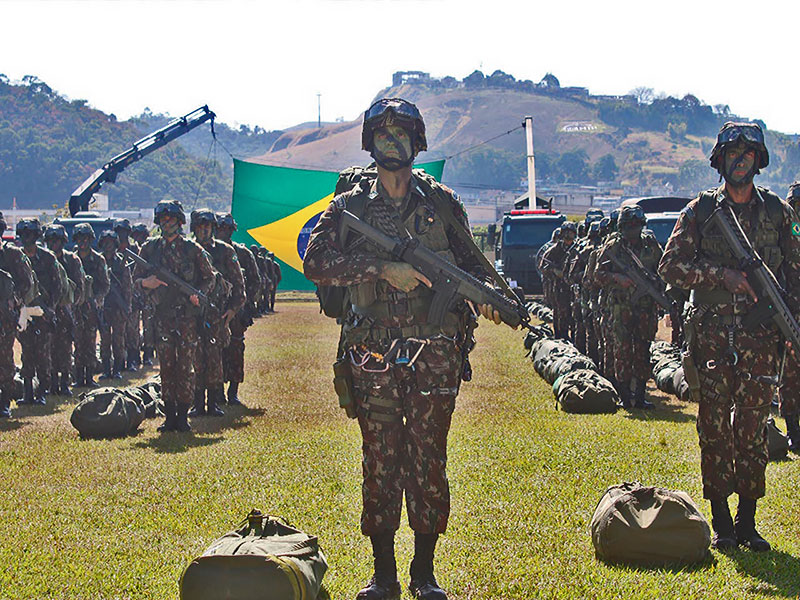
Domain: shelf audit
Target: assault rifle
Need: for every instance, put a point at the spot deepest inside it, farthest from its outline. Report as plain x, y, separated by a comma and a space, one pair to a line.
644, 281
450, 284
170, 278
116, 295
770, 305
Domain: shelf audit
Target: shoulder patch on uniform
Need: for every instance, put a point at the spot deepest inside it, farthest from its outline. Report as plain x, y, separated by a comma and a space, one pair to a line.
795, 228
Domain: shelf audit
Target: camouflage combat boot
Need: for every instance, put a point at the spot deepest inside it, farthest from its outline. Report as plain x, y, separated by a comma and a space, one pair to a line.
170, 415
625, 396
147, 356
199, 407
745, 526
722, 523
384, 584
117, 372
181, 422
216, 396
63, 385
88, 378
106, 373
423, 584
639, 398
233, 393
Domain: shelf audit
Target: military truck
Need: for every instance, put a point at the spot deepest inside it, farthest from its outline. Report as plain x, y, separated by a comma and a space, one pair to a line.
522, 233
662, 224
98, 223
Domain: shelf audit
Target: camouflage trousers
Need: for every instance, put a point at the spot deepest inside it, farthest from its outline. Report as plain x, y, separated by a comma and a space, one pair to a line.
208, 366
562, 314
233, 354
36, 343
8, 327
790, 386
176, 344
63, 333
733, 451
272, 294
632, 330
404, 415
112, 337
589, 330
148, 327
86, 337
133, 339
607, 343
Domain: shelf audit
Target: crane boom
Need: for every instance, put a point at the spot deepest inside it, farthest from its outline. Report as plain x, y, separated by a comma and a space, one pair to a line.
79, 200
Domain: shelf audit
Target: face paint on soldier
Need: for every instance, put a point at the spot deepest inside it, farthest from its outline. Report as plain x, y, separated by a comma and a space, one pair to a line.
392, 148
169, 226
202, 232
740, 163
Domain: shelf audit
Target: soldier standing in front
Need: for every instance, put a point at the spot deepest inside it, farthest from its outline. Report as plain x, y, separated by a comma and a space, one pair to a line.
730, 364
406, 371
176, 314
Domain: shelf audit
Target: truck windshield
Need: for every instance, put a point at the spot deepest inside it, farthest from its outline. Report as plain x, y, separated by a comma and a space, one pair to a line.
529, 232
662, 228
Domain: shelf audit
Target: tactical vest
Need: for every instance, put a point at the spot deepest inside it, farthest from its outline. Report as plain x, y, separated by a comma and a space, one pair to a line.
764, 234
649, 255
222, 287
375, 303
91, 266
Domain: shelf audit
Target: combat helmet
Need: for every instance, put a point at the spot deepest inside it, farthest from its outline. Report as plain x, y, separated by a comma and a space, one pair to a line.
394, 111
169, 208
732, 133
122, 225
604, 226
594, 233
55, 232
108, 235
792, 197
582, 229
226, 220
31, 224
631, 216
83, 229
568, 230
203, 215
140, 228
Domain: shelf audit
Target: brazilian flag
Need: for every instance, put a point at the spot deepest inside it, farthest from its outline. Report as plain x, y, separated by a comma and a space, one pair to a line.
277, 207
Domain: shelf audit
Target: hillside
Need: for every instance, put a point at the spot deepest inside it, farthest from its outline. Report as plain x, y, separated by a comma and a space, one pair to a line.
636, 142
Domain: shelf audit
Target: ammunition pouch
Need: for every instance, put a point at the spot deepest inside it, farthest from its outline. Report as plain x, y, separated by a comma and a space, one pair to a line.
343, 384
691, 374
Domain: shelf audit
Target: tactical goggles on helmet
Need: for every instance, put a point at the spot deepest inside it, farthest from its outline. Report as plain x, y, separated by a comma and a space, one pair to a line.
55, 232
29, 225
122, 224
83, 230
399, 107
169, 209
203, 215
140, 228
226, 220
747, 132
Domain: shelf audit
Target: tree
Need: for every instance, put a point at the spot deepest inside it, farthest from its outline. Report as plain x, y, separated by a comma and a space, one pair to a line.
605, 169
575, 166
643, 95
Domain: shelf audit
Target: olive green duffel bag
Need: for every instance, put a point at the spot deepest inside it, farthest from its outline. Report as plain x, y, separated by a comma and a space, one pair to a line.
107, 412
649, 526
265, 560
585, 392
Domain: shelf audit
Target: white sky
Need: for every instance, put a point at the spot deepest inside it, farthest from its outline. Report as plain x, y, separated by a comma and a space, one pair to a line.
263, 63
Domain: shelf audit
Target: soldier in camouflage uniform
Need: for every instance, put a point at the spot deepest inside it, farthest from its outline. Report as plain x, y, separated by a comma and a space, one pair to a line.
37, 338
731, 364
116, 309
404, 413
89, 314
233, 355
276, 279
266, 279
632, 324
790, 384
18, 287
176, 314
547, 282
215, 335
133, 340
139, 234
555, 266
581, 311
55, 236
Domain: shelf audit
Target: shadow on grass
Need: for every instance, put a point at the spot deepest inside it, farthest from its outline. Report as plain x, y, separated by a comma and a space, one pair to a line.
777, 569
172, 442
14, 423
709, 562
236, 417
661, 412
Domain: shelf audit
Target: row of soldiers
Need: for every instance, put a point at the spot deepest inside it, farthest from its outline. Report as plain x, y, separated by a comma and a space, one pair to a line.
596, 307
55, 301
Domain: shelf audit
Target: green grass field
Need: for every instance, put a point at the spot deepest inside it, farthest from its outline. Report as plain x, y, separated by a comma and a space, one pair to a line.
121, 519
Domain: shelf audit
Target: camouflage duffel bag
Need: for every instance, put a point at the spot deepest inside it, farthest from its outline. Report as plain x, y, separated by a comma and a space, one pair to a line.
107, 412
567, 364
264, 560
649, 526
585, 391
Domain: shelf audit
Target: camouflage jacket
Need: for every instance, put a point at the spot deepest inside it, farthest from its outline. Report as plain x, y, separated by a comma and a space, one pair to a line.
225, 260
184, 258
121, 283
16, 264
44, 265
646, 249
74, 268
687, 266
94, 265
252, 276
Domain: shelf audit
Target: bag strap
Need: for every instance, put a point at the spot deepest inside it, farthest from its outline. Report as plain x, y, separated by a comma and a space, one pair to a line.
445, 210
